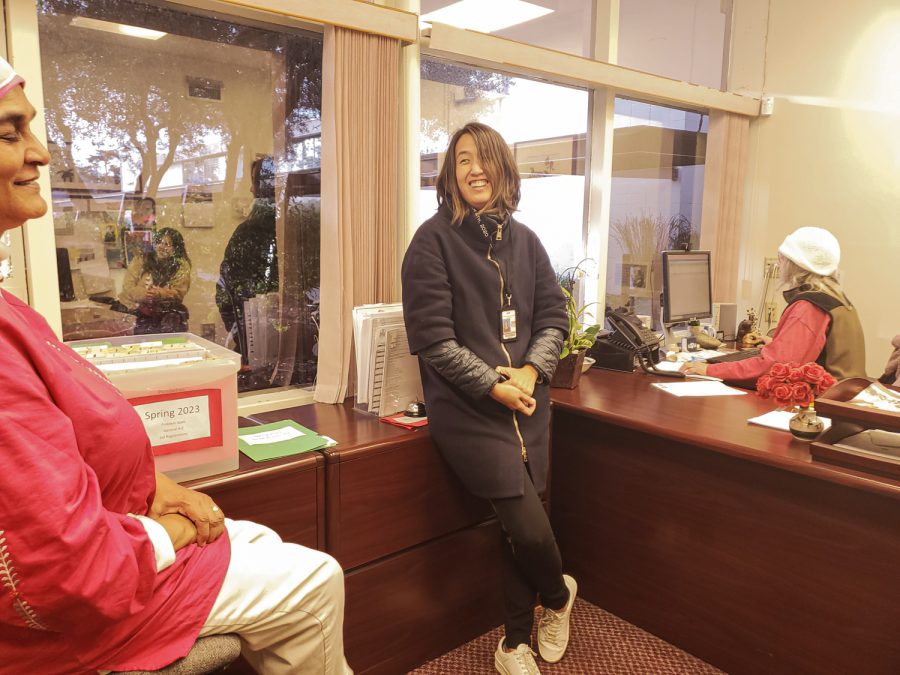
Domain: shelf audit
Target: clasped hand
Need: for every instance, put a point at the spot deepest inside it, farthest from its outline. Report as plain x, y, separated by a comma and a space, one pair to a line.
197, 507
158, 292
516, 391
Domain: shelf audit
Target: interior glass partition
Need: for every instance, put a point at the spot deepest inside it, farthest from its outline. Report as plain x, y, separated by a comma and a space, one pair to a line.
659, 157
185, 179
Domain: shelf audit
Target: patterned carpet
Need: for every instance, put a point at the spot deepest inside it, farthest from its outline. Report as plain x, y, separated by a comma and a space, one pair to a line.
602, 644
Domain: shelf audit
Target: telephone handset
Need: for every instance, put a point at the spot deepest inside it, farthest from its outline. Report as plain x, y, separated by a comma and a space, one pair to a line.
630, 336
628, 328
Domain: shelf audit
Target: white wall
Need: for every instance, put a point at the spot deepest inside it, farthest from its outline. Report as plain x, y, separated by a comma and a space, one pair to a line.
830, 154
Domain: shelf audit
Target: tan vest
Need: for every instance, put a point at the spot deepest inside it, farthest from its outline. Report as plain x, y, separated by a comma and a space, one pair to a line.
844, 354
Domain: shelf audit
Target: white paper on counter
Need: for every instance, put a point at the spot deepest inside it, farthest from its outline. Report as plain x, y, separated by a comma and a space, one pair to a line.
778, 419
698, 388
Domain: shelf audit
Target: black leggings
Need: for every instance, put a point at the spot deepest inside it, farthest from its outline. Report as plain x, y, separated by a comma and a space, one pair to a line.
532, 566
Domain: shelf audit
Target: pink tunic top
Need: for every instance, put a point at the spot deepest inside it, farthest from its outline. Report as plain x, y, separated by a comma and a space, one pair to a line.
799, 338
80, 591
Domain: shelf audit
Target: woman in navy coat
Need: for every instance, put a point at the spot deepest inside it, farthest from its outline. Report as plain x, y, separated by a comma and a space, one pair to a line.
486, 317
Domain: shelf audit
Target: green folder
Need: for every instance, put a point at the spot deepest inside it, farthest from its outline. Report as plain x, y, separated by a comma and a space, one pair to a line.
279, 439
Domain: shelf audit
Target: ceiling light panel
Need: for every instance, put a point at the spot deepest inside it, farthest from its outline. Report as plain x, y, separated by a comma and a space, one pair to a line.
486, 17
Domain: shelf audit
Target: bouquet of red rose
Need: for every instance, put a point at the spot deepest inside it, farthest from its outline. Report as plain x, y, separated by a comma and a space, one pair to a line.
793, 384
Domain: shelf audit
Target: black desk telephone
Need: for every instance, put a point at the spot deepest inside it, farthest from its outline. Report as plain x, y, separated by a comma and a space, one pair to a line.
629, 341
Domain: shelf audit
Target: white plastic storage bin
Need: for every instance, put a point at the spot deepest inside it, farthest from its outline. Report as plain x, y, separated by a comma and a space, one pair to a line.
185, 390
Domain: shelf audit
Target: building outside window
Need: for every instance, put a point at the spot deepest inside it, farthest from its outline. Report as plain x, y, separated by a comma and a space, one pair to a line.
176, 136
659, 156
545, 126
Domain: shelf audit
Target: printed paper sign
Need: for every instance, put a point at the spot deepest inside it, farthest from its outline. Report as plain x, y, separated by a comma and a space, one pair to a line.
183, 421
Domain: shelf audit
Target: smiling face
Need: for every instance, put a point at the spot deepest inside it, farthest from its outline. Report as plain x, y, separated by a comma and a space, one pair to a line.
164, 248
21, 155
474, 185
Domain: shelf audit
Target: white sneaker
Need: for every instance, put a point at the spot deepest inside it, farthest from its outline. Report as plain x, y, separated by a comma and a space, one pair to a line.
553, 628
518, 662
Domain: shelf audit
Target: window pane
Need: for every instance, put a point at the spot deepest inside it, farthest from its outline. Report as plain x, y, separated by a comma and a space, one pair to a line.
546, 128
185, 179
659, 156
563, 25
681, 39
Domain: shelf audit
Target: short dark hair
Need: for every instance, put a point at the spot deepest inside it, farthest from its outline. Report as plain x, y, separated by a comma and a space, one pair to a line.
497, 162
262, 177
146, 199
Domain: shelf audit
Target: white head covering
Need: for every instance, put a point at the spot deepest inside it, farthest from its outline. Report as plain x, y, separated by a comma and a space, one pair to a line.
8, 78
814, 249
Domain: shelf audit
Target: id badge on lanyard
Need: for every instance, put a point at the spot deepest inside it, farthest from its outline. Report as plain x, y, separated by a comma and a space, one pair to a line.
508, 318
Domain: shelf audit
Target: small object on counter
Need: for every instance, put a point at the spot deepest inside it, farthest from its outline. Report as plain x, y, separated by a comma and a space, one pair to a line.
751, 339
746, 326
416, 409
707, 341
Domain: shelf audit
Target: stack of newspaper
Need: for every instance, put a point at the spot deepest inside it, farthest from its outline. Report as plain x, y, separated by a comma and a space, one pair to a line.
387, 375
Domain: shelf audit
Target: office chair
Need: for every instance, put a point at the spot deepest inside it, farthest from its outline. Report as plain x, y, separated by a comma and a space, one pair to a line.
209, 654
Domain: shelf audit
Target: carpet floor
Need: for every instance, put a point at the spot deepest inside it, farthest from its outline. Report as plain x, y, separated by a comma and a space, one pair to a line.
601, 644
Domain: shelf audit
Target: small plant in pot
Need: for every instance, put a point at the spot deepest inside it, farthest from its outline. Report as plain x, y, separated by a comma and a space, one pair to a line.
581, 337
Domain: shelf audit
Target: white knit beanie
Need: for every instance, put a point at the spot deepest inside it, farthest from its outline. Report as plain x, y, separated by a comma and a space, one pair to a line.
8, 77
814, 249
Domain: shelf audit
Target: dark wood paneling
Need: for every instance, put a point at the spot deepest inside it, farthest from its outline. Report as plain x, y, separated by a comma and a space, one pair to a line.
409, 609
749, 566
289, 498
384, 500
717, 423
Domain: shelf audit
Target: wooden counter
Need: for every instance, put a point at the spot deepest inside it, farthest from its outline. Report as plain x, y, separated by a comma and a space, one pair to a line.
421, 555
721, 537
285, 494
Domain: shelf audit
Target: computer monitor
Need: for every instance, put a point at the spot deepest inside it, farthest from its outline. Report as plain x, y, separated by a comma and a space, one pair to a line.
64, 274
687, 286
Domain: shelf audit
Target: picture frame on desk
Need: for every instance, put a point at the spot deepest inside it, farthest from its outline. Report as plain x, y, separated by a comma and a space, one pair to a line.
636, 279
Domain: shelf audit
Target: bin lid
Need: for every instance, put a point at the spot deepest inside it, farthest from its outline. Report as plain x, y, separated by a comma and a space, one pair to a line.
145, 352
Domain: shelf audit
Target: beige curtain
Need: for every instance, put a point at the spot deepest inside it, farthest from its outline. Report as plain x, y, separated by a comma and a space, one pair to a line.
360, 118
723, 199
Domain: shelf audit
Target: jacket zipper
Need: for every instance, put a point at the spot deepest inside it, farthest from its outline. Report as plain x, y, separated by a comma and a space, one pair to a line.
508, 359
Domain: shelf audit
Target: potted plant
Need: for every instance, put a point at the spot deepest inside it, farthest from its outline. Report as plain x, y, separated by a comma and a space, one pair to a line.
581, 337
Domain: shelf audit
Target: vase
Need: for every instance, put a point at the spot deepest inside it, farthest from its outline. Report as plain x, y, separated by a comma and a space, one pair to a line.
805, 425
568, 372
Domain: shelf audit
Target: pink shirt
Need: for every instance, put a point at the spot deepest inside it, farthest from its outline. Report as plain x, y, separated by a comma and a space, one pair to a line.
80, 590
799, 338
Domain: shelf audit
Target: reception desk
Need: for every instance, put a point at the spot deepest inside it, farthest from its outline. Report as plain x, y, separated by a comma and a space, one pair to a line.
724, 538
421, 555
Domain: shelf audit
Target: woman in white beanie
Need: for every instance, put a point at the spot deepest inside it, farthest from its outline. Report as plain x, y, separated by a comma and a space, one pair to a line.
819, 324
89, 531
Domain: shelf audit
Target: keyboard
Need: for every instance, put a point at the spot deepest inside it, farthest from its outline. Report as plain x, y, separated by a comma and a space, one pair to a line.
735, 356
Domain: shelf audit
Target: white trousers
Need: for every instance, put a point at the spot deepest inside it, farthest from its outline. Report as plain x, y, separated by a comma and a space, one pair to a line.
285, 602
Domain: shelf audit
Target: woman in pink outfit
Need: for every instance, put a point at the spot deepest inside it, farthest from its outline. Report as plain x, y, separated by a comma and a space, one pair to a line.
105, 564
